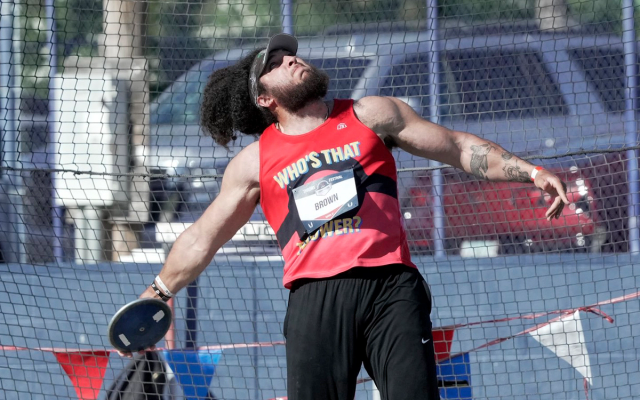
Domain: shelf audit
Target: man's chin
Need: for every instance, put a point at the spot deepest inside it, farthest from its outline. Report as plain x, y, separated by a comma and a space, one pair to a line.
298, 97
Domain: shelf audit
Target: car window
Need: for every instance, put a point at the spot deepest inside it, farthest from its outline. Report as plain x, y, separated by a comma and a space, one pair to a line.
499, 84
410, 78
182, 106
604, 69
344, 74
180, 103
485, 84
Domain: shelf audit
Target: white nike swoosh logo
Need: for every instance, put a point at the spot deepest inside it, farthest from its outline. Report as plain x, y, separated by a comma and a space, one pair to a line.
425, 341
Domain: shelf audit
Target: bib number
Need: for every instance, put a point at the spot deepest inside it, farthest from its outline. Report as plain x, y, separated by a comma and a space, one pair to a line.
324, 199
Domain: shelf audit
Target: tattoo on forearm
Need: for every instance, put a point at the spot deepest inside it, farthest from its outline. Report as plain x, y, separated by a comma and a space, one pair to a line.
507, 156
479, 163
514, 174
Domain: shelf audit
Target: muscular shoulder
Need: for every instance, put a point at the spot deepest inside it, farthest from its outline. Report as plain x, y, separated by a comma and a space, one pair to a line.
244, 168
383, 115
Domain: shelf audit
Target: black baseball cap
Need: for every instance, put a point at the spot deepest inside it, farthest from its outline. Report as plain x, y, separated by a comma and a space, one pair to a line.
281, 41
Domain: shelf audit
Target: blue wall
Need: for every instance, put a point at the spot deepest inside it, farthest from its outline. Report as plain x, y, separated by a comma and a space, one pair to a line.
70, 306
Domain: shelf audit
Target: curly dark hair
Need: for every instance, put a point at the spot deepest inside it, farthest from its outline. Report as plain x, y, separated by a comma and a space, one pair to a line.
227, 107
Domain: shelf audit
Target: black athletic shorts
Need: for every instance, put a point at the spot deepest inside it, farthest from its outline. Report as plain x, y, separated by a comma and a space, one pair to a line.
378, 316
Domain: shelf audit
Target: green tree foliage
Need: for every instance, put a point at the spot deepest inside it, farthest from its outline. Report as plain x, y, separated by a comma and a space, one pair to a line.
314, 16
232, 19
605, 14
78, 24
490, 10
179, 33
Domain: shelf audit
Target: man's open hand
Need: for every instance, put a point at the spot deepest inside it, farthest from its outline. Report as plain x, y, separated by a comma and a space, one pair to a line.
551, 184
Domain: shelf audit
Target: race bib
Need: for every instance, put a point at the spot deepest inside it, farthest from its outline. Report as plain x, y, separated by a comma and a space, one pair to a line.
324, 199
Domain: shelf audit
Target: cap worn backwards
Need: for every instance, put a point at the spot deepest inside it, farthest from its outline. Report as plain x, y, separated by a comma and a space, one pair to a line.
281, 41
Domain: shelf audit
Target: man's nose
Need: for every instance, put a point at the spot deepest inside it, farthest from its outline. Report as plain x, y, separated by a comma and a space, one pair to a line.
291, 60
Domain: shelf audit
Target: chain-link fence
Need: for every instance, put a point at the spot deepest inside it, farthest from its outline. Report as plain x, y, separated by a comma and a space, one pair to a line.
104, 164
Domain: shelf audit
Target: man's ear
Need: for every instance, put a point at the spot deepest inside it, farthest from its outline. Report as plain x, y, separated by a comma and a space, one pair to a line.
265, 101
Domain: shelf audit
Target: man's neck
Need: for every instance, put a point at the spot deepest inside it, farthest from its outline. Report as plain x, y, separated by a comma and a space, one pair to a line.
303, 121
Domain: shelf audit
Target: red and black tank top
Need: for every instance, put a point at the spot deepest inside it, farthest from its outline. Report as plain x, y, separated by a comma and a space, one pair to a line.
331, 196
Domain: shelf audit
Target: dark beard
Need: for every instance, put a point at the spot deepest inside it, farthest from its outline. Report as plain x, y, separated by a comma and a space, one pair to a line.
294, 98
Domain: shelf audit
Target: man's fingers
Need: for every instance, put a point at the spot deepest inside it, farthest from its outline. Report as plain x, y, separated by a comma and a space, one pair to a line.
152, 348
562, 192
559, 211
555, 187
555, 210
552, 209
129, 355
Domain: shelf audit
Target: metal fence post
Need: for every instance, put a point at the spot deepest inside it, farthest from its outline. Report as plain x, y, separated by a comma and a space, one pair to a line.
631, 127
13, 250
436, 174
56, 210
286, 8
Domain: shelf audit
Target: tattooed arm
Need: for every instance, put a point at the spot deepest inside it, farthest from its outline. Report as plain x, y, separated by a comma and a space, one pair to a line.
513, 172
513, 168
396, 123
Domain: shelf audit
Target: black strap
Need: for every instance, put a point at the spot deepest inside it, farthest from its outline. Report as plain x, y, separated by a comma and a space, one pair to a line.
159, 292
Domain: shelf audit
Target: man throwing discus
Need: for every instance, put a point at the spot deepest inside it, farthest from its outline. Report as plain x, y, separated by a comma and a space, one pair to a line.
326, 180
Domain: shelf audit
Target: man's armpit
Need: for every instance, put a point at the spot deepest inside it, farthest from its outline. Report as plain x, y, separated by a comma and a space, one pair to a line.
371, 118
390, 142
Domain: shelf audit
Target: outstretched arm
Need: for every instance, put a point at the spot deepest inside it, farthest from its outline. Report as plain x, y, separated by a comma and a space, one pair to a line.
195, 247
393, 120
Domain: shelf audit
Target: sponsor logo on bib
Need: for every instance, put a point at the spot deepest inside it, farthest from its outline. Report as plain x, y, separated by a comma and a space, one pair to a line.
323, 187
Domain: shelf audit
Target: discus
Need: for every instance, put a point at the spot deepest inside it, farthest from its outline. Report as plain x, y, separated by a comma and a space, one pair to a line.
139, 325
